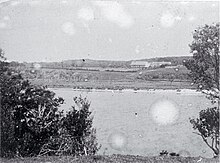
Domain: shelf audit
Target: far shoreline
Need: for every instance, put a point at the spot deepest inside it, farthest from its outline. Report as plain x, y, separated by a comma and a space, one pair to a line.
158, 90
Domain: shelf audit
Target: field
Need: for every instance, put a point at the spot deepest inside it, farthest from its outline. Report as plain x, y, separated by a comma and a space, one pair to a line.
118, 78
111, 159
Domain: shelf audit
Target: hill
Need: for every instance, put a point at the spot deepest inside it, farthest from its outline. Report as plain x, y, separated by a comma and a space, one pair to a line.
99, 63
173, 60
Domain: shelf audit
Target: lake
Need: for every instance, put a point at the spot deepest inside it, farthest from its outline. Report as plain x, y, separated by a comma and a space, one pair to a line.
144, 122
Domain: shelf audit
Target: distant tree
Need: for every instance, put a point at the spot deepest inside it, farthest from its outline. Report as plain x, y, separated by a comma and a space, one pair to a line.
204, 71
171, 78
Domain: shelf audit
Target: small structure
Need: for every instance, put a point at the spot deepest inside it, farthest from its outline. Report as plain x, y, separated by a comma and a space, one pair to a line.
140, 64
145, 64
158, 64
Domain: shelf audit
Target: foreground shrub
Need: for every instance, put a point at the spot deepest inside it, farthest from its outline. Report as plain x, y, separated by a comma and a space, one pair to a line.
207, 126
30, 119
76, 135
29, 116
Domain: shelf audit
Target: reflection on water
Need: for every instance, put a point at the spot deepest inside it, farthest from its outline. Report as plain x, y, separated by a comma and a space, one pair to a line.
145, 122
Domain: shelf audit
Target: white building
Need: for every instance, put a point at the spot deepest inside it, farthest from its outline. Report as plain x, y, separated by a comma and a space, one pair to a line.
158, 64
140, 64
145, 64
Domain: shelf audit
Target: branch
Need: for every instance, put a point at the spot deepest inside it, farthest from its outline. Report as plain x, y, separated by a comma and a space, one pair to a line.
212, 141
197, 133
211, 93
216, 143
204, 139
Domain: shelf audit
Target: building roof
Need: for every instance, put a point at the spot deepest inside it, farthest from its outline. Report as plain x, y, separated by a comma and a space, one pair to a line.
139, 63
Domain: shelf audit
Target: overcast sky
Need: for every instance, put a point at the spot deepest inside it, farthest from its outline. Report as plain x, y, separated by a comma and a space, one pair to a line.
55, 30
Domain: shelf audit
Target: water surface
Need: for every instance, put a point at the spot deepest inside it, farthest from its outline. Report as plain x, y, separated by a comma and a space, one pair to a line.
125, 123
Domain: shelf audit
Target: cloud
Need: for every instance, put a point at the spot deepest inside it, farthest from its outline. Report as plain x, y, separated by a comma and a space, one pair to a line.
15, 3
3, 25
3, 1
184, 2
167, 20
114, 12
110, 40
178, 18
86, 14
6, 18
136, 2
5, 22
191, 18
68, 28
214, 5
64, 2
34, 2
137, 49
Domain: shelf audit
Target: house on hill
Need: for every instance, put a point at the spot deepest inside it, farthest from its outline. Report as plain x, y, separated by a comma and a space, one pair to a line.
158, 64
145, 64
140, 64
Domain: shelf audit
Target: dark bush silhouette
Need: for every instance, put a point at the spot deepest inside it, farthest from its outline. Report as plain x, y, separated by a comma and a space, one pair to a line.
29, 115
76, 135
30, 118
174, 154
164, 153
208, 126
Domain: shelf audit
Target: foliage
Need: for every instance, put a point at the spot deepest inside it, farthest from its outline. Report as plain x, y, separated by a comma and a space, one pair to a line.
204, 67
29, 115
204, 70
30, 118
76, 135
208, 126
164, 153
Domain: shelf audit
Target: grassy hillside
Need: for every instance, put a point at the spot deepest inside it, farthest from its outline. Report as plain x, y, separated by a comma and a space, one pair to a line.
100, 63
101, 74
173, 60
162, 78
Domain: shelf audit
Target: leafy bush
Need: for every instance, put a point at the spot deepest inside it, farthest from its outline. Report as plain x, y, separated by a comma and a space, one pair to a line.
29, 115
30, 118
76, 135
208, 126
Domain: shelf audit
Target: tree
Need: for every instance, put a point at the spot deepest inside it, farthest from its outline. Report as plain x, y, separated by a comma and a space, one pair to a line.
204, 71
208, 126
204, 67
76, 135
29, 114
31, 119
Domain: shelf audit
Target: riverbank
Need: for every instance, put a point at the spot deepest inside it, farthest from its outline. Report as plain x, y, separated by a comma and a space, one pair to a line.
111, 159
154, 91
116, 85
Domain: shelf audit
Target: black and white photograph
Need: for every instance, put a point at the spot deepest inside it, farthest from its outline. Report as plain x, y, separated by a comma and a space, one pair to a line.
109, 81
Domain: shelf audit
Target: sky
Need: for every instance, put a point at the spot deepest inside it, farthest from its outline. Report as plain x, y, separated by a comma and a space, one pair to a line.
56, 30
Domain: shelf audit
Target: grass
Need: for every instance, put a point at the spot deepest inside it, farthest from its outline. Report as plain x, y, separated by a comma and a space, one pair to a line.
110, 159
142, 79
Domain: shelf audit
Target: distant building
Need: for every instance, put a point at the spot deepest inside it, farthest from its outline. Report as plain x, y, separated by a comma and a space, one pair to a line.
158, 64
145, 64
140, 64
